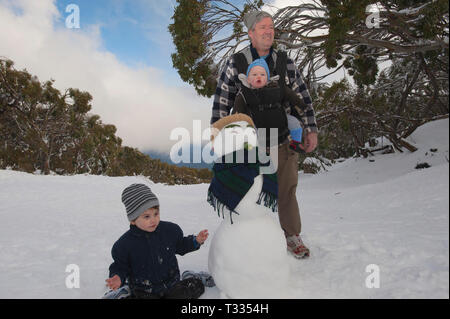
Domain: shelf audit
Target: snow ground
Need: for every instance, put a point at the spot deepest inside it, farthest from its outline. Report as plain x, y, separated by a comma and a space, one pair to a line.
379, 210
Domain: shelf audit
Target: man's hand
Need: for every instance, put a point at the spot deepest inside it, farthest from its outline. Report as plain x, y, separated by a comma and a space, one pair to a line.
113, 282
310, 142
202, 236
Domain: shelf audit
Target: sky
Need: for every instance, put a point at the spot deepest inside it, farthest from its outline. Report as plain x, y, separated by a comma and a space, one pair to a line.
135, 31
120, 54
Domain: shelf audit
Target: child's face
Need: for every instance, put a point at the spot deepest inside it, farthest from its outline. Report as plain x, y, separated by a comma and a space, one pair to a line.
257, 77
148, 220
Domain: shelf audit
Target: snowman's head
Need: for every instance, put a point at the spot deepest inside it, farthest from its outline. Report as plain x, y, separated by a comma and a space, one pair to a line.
233, 133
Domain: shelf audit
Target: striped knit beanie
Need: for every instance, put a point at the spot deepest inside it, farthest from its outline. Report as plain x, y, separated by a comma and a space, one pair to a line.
137, 198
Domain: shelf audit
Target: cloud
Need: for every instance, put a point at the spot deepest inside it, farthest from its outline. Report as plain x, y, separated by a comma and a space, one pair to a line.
135, 100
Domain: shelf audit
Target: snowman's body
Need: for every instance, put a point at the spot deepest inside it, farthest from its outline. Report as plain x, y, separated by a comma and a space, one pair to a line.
248, 258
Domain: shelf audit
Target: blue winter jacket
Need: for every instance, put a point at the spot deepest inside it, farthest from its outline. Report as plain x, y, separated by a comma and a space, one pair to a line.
147, 259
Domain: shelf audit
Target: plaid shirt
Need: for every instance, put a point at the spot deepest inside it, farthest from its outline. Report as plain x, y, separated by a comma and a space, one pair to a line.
228, 86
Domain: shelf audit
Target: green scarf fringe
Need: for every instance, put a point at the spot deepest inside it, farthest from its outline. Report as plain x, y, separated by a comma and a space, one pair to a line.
219, 206
269, 200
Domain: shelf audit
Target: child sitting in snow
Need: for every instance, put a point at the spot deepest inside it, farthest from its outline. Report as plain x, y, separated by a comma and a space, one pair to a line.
144, 257
260, 92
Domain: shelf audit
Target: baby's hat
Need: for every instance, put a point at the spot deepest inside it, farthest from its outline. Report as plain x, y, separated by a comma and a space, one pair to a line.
259, 62
137, 198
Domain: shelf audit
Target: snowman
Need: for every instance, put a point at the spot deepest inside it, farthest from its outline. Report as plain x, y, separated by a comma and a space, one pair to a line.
247, 256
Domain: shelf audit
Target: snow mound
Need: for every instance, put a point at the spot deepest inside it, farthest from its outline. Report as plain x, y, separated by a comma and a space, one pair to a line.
432, 135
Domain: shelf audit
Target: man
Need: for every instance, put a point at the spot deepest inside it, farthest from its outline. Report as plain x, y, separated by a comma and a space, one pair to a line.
261, 33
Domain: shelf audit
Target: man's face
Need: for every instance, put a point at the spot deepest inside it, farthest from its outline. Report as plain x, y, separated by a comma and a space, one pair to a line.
262, 34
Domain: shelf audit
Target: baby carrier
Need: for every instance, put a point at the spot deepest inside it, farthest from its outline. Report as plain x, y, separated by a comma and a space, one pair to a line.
266, 104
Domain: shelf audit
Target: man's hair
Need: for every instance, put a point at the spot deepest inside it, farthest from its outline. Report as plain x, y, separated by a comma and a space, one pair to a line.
253, 17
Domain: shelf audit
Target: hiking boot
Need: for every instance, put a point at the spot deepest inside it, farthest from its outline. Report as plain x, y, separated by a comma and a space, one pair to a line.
295, 146
296, 247
206, 278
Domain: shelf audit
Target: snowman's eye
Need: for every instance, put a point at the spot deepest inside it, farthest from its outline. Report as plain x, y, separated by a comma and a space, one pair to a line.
231, 125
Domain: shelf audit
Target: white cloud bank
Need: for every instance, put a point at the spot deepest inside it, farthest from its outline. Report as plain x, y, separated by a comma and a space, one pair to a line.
135, 100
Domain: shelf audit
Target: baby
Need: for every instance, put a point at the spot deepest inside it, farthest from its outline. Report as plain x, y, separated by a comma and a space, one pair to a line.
258, 78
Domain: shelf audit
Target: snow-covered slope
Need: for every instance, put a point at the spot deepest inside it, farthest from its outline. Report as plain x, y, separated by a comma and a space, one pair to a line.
359, 213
